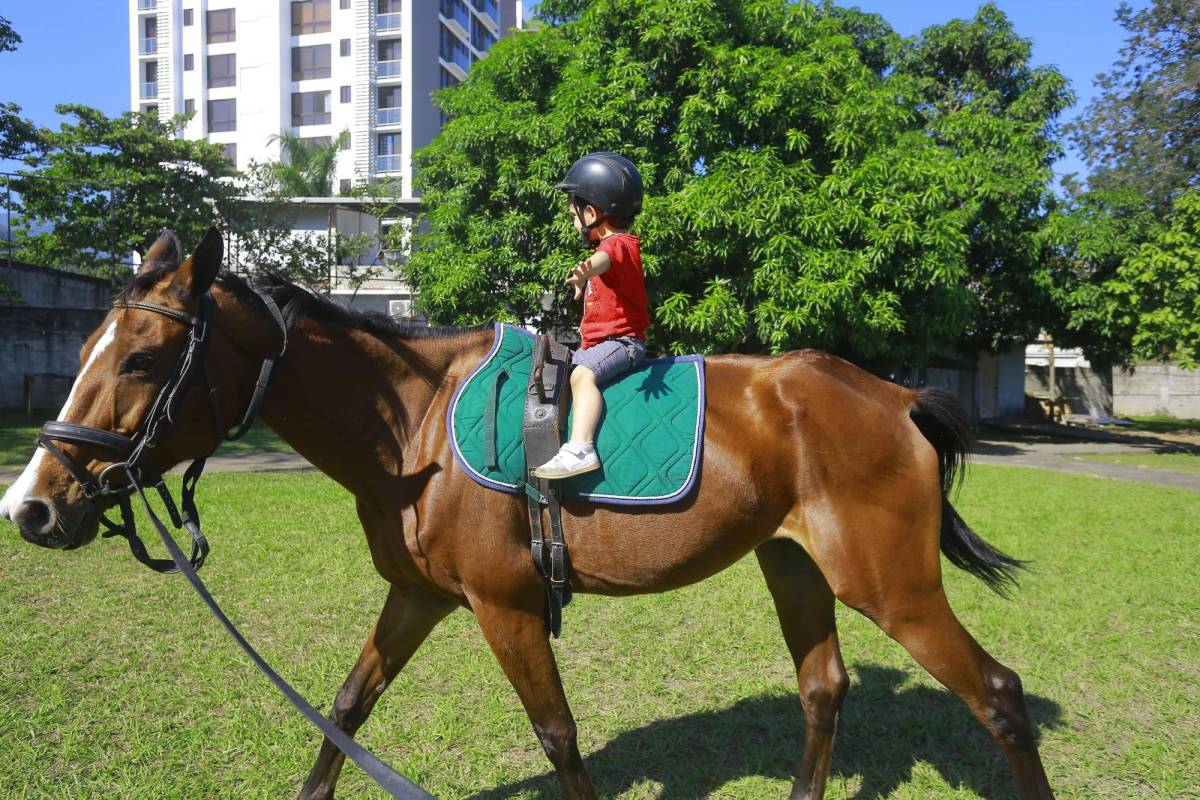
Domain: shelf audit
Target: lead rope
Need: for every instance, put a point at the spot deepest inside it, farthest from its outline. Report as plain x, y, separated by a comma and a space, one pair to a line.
392, 782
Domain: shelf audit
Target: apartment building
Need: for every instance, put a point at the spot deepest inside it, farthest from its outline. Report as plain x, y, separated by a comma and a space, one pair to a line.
251, 68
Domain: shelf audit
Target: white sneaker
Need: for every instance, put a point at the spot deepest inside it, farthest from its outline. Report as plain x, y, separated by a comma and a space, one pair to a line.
570, 460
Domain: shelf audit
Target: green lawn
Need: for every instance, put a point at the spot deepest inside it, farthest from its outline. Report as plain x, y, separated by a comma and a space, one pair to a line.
1175, 462
18, 433
1160, 423
115, 682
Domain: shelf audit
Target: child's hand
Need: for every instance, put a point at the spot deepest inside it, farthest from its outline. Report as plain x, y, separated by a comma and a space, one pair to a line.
578, 278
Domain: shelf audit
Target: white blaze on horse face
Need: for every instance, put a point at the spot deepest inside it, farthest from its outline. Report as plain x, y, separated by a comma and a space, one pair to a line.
19, 491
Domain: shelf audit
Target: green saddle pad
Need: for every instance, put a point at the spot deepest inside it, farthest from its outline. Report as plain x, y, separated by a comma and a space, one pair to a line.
649, 438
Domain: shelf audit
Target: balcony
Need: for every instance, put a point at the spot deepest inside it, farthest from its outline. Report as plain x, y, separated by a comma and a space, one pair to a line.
389, 69
388, 22
487, 7
149, 91
388, 116
388, 163
147, 5
456, 11
148, 47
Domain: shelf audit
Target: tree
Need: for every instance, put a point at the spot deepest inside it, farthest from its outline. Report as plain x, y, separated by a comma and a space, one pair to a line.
306, 167
1142, 131
108, 186
812, 178
17, 135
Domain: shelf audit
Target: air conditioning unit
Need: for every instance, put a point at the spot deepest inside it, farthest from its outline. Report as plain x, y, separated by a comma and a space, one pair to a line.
400, 308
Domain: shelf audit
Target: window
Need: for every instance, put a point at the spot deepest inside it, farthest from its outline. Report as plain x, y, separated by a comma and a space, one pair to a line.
389, 144
310, 108
389, 50
390, 97
387, 7
189, 62
447, 78
150, 28
222, 71
310, 16
231, 152
222, 115
343, 4
481, 38
344, 186
453, 50
310, 62
486, 6
345, 142
151, 72
344, 48
345, 94
457, 11
222, 26
187, 17
189, 106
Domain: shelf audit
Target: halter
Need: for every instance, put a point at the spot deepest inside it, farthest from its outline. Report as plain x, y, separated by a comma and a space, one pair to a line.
131, 453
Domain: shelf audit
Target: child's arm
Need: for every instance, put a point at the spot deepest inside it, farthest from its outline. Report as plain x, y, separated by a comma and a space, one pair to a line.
596, 264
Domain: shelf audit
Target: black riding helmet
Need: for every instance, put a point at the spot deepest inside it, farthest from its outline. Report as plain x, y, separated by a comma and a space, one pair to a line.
607, 181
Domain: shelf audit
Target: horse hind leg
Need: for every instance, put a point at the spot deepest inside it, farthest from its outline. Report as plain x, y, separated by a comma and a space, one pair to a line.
804, 603
891, 572
408, 616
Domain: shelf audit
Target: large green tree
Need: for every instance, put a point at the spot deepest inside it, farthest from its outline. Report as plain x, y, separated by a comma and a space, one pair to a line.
1142, 131
105, 186
17, 134
812, 178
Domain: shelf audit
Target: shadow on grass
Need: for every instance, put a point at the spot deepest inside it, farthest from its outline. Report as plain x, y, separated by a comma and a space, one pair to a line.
884, 731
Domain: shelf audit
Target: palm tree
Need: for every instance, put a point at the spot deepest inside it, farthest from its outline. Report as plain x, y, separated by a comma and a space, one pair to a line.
306, 167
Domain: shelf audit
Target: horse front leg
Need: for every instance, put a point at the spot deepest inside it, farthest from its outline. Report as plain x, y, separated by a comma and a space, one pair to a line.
408, 615
804, 603
520, 643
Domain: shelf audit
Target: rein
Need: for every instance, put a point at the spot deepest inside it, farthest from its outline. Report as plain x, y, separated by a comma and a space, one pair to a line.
132, 460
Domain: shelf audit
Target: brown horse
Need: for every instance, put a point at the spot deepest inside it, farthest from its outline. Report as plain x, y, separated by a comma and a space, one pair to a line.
835, 479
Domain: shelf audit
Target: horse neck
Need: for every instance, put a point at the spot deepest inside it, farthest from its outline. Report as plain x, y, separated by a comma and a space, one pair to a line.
351, 401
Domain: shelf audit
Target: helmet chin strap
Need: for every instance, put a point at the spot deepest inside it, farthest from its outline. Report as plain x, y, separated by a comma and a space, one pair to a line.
585, 233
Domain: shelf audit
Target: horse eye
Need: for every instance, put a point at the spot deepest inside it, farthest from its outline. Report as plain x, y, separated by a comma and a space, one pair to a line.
138, 362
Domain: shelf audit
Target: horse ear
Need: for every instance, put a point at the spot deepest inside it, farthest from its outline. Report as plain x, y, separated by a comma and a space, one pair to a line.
196, 275
165, 250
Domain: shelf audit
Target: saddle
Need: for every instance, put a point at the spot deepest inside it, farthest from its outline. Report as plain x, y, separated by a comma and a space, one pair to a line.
545, 396
509, 415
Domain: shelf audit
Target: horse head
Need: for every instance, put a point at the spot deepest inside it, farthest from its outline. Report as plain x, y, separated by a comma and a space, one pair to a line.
133, 399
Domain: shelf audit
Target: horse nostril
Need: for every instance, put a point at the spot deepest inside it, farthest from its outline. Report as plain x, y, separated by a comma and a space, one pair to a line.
34, 516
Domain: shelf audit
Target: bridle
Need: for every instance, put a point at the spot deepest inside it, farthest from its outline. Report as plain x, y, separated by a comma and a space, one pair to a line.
131, 458
131, 454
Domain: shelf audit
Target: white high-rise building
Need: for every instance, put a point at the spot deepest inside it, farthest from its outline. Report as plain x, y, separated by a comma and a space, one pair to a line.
252, 68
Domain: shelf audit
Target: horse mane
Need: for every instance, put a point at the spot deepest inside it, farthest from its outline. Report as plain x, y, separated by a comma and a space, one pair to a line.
300, 303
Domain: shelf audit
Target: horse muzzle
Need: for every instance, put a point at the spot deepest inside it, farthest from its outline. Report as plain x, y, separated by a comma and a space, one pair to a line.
40, 522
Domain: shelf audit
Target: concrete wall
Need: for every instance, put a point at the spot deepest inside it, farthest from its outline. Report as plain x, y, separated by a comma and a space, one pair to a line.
1086, 390
42, 336
1154, 388
1002, 384
48, 288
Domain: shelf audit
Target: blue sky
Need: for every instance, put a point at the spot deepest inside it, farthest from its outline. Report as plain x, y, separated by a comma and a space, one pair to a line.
1078, 36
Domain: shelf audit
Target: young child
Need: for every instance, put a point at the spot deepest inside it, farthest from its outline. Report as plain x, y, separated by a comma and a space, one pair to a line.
604, 195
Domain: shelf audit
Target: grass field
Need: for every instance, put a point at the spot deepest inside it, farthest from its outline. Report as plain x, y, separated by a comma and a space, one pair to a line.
1175, 462
116, 683
18, 432
1161, 423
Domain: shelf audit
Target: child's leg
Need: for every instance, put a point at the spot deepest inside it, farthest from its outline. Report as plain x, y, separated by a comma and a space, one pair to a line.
586, 405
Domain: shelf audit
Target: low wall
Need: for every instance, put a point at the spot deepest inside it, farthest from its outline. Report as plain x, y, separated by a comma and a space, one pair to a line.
1085, 390
42, 332
1155, 388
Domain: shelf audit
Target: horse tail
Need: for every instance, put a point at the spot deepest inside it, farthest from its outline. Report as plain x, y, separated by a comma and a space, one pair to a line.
943, 421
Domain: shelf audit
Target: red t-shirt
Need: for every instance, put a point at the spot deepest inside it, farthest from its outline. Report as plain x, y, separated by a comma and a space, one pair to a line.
615, 302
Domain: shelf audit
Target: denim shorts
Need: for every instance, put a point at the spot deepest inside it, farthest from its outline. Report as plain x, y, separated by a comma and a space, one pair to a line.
611, 358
